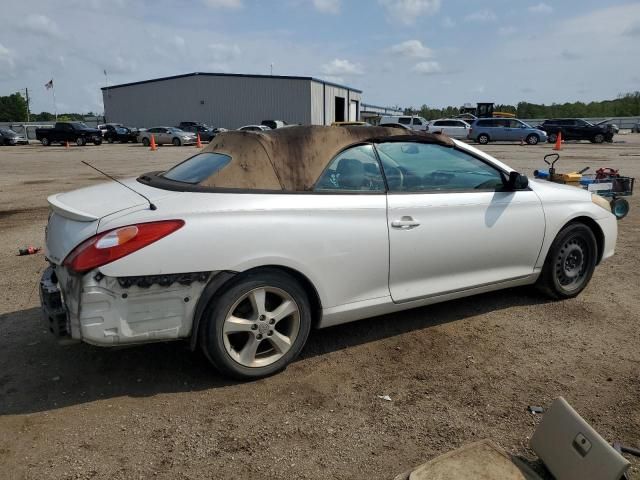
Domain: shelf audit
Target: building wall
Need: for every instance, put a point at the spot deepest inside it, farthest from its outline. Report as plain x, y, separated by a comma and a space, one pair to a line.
325, 94
229, 102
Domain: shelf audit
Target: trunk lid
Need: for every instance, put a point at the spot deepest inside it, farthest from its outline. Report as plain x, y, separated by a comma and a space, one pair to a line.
75, 216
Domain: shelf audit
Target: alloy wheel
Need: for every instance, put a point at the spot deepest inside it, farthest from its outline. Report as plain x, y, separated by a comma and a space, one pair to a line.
261, 327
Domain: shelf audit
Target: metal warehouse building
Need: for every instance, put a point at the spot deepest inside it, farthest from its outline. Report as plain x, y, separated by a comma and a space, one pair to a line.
230, 100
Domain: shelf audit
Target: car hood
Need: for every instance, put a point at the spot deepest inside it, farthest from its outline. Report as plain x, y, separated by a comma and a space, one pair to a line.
551, 191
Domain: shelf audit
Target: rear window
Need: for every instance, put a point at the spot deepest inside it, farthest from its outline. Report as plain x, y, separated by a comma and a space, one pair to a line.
197, 168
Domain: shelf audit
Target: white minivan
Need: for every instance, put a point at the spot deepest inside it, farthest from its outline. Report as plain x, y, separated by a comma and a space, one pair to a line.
412, 122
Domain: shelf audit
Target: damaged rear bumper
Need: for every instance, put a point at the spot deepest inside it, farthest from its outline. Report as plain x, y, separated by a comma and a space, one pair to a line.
108, 311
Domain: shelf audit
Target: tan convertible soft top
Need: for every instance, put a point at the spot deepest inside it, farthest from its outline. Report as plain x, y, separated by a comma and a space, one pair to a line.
293, 158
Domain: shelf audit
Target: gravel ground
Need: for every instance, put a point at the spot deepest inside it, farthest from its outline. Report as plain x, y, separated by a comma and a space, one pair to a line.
455, 372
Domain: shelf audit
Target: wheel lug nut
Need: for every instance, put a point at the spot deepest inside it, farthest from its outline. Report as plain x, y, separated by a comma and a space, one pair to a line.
254, 327
262, 317
270, 333
272, 321
259, 336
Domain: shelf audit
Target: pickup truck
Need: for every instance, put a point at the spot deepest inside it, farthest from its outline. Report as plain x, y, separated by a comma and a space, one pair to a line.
577, 129
63, 132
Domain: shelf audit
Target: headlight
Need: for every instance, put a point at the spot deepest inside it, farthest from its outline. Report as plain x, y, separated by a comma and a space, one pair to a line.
601, 202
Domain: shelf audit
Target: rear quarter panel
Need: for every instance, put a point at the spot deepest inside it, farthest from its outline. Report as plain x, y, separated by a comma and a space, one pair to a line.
339, 242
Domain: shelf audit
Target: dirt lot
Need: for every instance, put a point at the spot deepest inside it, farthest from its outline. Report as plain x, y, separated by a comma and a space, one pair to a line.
456, 372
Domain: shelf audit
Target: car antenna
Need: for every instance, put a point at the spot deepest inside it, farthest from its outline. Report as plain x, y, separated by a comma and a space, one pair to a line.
151, 205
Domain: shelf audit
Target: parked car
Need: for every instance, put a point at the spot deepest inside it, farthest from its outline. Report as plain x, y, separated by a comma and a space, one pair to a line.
254, 128
9, 137
413, 122
452, 127
62, 132
244, 247
577, 129
485, 130
206, 132
120, 134
166, 135
273, 124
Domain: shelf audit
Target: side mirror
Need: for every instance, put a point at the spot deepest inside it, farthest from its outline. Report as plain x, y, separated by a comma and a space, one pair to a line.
517, 181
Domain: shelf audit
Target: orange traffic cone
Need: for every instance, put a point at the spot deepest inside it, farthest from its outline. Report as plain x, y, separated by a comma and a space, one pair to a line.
154, 147
66, 144
558, 145
198, 142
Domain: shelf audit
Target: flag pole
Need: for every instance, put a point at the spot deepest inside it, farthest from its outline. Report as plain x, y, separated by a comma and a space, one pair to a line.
53, 91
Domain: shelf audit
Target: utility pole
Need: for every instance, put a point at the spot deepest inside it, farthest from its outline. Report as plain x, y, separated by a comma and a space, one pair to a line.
271, 66
26, 91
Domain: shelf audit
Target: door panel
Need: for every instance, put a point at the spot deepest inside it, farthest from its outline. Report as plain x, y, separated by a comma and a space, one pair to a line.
462, 240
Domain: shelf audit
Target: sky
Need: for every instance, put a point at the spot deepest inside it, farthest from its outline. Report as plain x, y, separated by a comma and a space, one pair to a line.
399, 52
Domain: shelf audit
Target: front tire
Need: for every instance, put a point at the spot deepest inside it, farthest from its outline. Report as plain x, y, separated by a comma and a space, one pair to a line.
146, 142
483, 139
533, 139
257, 326
570, 262
110, 139
176, 142
599, 138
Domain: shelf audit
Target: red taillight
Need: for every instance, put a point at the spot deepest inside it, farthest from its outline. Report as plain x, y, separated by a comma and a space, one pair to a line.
117, 243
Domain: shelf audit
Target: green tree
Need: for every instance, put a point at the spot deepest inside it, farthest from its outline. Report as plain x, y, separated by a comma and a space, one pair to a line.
13, 108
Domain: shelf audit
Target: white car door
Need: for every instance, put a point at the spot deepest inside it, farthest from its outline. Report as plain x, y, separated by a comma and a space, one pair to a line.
451, 224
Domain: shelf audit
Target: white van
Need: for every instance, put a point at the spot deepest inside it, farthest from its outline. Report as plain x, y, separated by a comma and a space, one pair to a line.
412, 122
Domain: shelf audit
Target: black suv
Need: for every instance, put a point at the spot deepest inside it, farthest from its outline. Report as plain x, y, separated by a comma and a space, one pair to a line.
577, 129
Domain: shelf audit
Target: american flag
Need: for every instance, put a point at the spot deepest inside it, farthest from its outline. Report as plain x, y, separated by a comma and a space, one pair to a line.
49, 84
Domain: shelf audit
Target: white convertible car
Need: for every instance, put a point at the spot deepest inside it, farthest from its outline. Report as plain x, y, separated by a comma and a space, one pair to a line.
244, 247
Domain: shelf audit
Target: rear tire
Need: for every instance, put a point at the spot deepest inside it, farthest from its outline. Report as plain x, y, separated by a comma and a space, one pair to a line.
483, 139
243, 335
146, 142
570, 262
110, 140
97, 142
552, 138
80, 141
533, 139
45, 141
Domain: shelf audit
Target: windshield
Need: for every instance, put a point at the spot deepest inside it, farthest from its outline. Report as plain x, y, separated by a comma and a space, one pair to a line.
8, 132
197, 168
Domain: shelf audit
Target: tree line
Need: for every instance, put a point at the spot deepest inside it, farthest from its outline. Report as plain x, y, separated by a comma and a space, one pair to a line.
626, 105
13, 108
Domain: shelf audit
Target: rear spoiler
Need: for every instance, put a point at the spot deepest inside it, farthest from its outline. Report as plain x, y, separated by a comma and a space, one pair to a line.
69, 212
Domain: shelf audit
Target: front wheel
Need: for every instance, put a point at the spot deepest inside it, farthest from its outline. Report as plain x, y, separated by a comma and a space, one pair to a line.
97, 142
533, 139
483, 139
599, 138
176, 142
146, 142
570, 262
257, 326
110, 139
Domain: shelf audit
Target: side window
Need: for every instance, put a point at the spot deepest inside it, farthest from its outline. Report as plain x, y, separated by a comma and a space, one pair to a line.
438, 124
422, 167
515, 124
417, 121
355, 169
404, 120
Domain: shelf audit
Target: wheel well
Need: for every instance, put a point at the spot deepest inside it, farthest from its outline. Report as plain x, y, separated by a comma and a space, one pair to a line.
309, 288
597, 232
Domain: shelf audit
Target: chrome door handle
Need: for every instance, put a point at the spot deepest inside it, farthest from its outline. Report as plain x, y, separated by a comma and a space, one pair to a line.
405, 223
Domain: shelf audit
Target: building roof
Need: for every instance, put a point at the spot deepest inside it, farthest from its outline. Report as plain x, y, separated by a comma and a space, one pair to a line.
292, 158
207, 74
